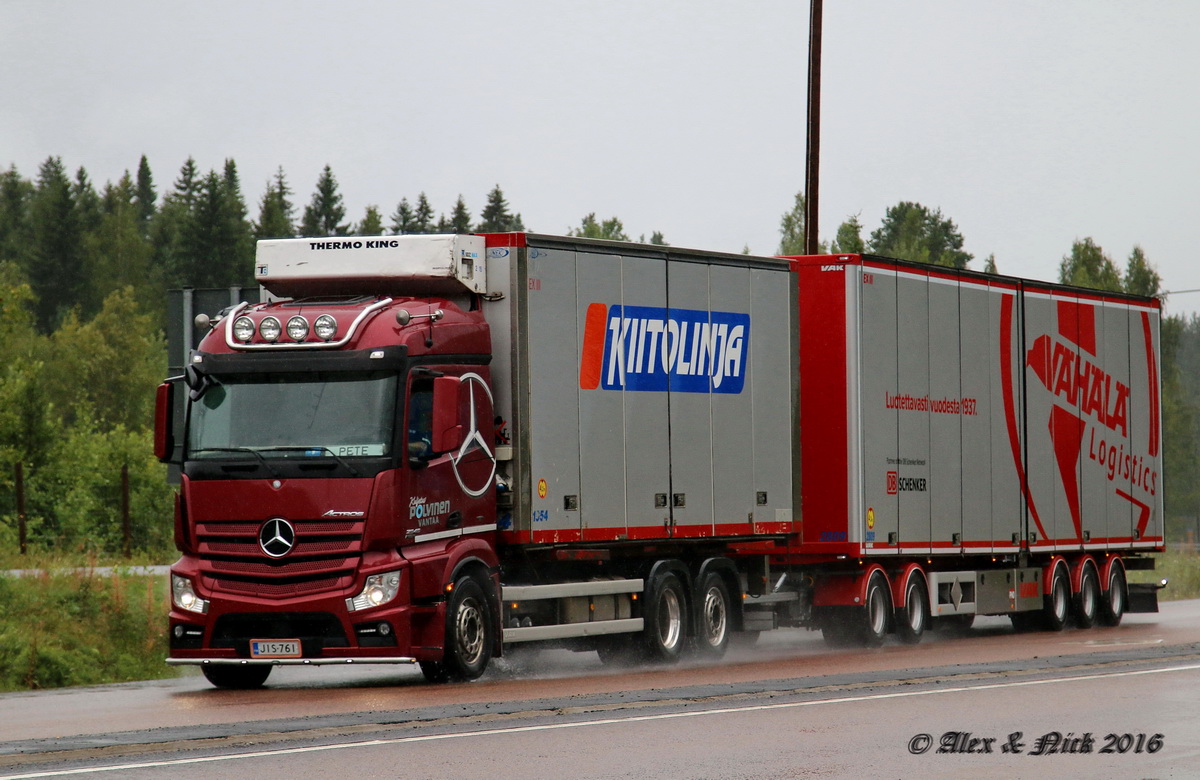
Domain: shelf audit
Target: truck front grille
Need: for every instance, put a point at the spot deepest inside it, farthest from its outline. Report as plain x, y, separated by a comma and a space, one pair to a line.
324, 557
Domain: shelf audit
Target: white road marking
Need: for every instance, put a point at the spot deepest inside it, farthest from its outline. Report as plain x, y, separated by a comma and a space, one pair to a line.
587, 723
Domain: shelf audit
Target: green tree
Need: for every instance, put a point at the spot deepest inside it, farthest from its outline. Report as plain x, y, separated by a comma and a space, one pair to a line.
276, 214
423, 216
172, 226
911, 231
610, 229
989, 264
496, 218
56, 265
372, 223
792, 229
460, 218
1140, 276
1088, 266
324, 214
849, 238
144, 196
107, 368
404, 219
87, 202
118, 255
16, 195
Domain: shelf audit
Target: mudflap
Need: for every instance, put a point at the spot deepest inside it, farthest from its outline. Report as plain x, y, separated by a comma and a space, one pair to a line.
1143, 596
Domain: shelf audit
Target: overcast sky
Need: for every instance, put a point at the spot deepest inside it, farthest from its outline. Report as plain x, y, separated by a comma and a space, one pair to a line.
1030, 124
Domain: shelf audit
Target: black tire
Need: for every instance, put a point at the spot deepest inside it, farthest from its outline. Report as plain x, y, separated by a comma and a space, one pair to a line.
665, 633
469, 633
1085, 605
1056, 604
1116, 600
237, 676
913, 617
876, 613
714, 612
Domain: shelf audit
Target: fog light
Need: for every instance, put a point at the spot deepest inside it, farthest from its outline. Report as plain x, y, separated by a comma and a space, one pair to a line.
243, 329
385, 629
178, 631
325, 327
269, 329
297, 328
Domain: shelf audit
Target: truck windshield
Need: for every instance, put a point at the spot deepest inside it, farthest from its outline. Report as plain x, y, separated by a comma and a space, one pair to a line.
295, 415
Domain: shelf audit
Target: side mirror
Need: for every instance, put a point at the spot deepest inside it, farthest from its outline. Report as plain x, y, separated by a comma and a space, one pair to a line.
447, 425
164, 421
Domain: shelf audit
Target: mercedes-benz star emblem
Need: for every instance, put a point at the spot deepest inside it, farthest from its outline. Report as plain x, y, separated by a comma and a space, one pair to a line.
474, 439
277, 537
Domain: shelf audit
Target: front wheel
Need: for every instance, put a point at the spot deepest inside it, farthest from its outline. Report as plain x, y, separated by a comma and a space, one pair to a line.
237, 676
469, 635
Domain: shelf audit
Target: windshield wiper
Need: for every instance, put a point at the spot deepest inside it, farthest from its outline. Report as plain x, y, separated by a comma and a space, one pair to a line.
317, 447
241, 450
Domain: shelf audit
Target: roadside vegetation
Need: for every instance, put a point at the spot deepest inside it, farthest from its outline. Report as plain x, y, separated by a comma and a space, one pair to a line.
75, 626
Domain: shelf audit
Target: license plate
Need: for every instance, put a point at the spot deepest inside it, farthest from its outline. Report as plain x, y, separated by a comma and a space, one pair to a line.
274, 648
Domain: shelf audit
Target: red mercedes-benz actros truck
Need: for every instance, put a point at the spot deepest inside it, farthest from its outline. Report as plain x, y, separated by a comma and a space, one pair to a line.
427, 449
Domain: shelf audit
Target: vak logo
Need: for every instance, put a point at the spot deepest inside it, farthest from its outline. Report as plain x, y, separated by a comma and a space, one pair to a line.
657, 349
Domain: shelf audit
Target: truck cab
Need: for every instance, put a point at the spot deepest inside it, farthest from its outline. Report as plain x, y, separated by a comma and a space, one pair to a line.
338, 465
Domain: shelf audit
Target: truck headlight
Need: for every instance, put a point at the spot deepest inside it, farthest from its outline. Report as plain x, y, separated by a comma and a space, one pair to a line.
243, 329
183, 595
379, 590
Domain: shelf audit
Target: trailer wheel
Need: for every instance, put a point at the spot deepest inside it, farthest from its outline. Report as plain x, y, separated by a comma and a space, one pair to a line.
1112, 607
913, 618
1087, 601
468, 635
713, 616
665, 631
238, 677
1056, 604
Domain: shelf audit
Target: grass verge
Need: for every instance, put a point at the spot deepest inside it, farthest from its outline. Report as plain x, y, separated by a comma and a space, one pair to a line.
76, 627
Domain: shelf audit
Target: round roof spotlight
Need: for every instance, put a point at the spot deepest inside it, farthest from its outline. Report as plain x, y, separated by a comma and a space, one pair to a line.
297, 328
243, 329
269, 329
325, 327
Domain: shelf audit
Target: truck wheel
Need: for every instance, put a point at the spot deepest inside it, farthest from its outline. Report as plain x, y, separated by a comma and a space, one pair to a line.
1112, 607
239, 676
837, 630
873, 623
712, 620
468, 631
1087, 601
666, 619
912, 618
1055, 604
